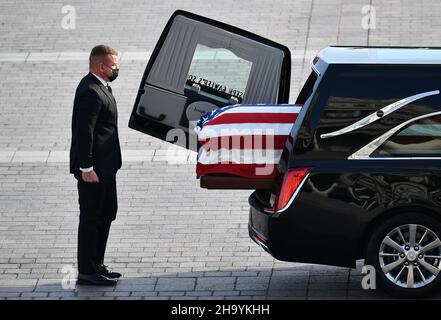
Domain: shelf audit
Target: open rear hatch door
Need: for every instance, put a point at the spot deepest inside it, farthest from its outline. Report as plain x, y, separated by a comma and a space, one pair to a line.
200, 65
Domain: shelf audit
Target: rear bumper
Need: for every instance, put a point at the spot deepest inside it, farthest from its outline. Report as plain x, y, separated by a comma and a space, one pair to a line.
257, 238
297, 236
258, 225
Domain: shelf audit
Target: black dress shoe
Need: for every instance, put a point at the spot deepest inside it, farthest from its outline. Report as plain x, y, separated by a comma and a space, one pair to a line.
95, 279
104, 270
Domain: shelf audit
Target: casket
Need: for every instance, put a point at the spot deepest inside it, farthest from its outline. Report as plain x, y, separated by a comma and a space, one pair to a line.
242, 146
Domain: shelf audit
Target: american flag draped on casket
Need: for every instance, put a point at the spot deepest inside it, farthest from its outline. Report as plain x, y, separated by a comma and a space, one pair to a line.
245, 140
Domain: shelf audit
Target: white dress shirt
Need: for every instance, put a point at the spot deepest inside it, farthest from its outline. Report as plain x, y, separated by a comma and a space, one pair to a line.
104, 83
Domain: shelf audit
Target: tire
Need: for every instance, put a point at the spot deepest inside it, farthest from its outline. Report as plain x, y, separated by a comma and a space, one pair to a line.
398, 263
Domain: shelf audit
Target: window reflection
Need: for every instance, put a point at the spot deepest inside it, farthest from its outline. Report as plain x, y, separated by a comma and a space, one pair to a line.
419, 139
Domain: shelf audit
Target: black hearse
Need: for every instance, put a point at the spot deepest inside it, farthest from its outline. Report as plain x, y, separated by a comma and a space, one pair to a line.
363, 177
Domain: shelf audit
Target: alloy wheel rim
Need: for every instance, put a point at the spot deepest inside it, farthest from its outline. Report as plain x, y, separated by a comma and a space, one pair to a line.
410, 256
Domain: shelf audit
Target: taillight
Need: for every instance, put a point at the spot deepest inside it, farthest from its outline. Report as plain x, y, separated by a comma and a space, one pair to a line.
292, 182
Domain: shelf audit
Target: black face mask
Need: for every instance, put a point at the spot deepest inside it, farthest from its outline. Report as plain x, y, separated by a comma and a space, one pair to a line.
114, 74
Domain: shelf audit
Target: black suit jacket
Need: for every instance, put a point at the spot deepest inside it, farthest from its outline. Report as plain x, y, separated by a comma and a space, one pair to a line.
95, 140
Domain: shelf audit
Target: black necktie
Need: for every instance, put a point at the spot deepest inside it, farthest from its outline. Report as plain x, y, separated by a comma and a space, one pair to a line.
109, 88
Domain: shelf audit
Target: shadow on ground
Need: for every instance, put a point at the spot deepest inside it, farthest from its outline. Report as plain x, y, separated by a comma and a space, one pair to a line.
297, 283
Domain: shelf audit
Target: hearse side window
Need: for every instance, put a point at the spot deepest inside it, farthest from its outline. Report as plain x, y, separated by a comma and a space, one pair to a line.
421, 138
219, 72
357, 91
352, 92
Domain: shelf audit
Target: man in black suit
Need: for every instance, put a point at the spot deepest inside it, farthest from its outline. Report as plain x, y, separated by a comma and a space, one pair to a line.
95, 157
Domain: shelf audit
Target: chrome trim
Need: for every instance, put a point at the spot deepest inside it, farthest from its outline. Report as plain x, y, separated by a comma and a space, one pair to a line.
374, 116
314, 68
257, 240
365, 152
277, 213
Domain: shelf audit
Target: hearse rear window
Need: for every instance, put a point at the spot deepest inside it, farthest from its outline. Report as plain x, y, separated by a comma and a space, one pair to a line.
216, 64
219, 71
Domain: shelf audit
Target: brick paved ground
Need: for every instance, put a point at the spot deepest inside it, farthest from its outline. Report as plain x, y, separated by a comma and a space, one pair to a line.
171, 239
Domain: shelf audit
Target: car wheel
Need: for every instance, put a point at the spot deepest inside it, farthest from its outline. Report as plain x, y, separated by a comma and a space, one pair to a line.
405, 251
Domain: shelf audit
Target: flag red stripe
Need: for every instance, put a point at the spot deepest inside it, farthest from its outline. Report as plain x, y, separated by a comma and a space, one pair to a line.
241, 170
253, 118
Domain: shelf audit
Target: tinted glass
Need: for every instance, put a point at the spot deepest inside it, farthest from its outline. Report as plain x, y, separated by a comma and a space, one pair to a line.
220, 71
348, 93
419, 139
307, 89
